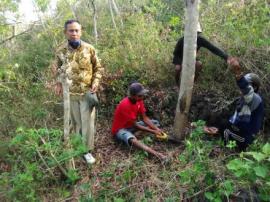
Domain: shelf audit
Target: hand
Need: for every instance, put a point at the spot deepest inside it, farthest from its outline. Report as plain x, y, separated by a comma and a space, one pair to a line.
58, 89
178, 67
233, 62
157, 131
210, 130
161, 135
229, 59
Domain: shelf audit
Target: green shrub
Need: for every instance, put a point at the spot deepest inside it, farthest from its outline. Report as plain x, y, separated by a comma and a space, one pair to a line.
35, 156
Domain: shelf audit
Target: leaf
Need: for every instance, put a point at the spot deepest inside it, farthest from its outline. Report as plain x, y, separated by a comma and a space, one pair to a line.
228, 187
174, 21
118, 199
231, 145
209, 196
238, 167
257, 155
234, 164
261, 171
266, 148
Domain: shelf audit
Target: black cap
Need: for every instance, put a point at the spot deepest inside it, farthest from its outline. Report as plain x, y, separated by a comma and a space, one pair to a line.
137, 89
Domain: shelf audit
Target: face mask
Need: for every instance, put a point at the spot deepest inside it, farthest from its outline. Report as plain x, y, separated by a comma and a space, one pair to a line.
74, 44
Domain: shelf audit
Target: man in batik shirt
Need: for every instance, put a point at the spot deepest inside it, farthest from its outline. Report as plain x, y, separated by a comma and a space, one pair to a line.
79, 60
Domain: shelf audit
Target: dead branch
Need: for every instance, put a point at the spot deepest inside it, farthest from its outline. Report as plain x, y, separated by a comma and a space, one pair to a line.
54, 158
44, 162
14, 36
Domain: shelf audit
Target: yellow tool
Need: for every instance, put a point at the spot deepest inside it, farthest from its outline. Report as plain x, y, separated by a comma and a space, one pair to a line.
162, 136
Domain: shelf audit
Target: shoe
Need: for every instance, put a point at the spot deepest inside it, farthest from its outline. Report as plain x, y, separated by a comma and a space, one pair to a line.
89, 158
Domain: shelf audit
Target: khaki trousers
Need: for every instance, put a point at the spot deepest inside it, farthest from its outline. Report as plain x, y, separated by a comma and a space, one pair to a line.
83, 115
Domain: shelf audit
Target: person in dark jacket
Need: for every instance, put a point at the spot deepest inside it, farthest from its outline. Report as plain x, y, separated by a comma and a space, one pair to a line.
247, 119
201, 42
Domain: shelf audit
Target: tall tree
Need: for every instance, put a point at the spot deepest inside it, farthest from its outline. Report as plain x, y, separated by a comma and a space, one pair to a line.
117, 12
112, 15
93, 2
188, 70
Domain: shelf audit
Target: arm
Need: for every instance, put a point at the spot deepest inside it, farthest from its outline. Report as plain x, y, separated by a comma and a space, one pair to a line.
151, 127
246, 89
97, 71
202, 42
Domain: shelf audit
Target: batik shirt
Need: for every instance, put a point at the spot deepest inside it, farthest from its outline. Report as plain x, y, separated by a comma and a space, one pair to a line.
81, 65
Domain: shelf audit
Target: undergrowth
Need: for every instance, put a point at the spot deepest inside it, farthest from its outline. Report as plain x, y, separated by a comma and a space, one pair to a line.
203, 169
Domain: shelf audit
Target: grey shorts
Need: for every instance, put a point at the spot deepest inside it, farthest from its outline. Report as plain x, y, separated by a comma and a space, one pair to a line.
126, 134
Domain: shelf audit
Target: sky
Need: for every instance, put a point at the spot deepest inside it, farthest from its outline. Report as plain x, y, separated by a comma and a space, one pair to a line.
27, 10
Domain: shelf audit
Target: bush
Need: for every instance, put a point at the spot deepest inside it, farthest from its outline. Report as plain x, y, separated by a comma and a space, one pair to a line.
36, 157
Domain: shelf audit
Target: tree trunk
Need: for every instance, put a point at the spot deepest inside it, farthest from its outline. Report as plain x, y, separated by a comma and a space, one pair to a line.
44, 25
117, 12
112, 15
188, 70
72, 9
95, 19
65, 84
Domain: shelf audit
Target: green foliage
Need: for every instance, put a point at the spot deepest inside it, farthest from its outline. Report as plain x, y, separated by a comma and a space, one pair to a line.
248, 169
231, 145
200, 172
142, 51
35, 167
42, 4
253, 168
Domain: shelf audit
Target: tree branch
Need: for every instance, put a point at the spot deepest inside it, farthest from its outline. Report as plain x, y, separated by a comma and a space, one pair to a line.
14, 36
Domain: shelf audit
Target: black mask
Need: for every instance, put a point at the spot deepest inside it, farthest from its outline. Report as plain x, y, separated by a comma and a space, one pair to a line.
74, 44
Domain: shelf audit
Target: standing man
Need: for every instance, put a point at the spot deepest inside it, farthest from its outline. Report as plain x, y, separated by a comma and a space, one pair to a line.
201, 42
125, 120
79, 60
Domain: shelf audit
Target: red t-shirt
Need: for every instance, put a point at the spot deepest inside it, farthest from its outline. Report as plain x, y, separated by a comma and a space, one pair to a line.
126, 114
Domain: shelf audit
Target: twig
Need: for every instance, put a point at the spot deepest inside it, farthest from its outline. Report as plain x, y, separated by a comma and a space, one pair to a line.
52, 155
9, 38
70, 198
44, 162
199, 192
132, 185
